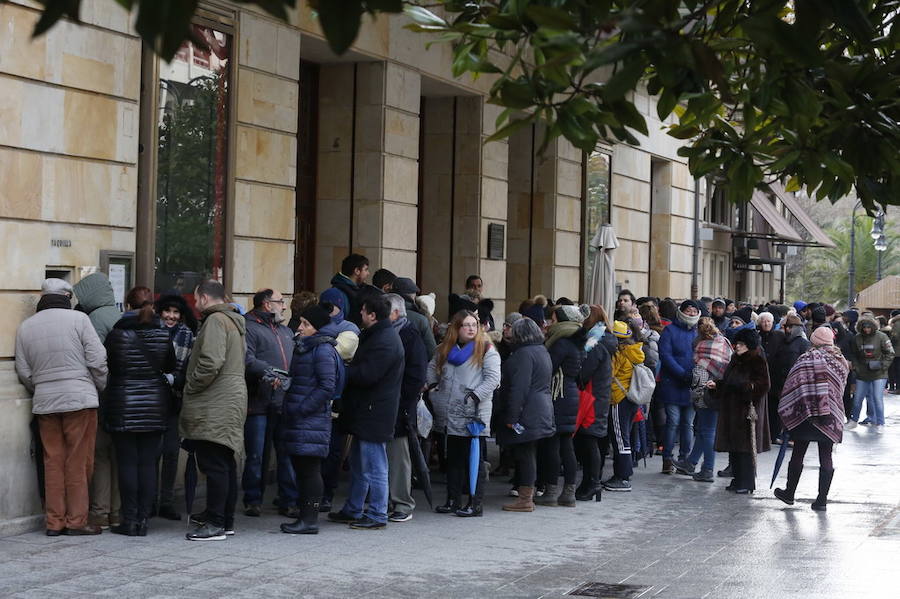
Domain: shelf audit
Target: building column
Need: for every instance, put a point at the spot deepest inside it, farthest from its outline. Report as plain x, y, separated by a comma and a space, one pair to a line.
630, 195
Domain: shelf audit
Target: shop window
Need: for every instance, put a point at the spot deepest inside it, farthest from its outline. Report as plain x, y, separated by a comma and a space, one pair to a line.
718, 210
192, 119
598, 177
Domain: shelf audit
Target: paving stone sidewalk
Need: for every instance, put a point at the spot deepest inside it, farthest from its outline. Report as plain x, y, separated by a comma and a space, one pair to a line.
672, 537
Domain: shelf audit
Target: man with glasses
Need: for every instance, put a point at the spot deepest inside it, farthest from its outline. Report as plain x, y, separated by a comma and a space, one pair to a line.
270, 345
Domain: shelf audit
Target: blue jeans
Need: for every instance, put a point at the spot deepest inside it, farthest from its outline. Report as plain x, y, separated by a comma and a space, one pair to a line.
368, 477
874, 392
705, 441
680, 422
259, 429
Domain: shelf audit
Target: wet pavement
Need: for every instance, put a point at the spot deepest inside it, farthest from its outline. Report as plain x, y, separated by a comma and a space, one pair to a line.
670, 538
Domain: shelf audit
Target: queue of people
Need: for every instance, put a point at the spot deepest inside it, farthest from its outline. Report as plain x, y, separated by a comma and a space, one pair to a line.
367, 375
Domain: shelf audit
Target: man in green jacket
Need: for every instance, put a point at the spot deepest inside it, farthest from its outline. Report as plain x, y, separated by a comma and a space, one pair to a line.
872, 354
215, 407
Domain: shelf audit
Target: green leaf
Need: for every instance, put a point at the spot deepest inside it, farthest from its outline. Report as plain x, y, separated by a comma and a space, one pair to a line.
551, 18
517, 94
793, 184
419, 15
838, 167
166, 24
629, 116
624, 81
340, 21
510, 128
608, 55
666, 103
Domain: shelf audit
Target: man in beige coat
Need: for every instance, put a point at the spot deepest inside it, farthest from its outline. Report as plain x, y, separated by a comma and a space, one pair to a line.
215, 407
59, 358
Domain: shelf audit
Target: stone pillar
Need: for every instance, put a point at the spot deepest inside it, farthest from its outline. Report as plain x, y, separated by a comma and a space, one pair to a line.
266, 161
631, 216
519, 246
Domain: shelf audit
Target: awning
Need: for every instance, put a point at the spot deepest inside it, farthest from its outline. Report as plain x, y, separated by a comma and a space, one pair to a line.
782, 229
806, 221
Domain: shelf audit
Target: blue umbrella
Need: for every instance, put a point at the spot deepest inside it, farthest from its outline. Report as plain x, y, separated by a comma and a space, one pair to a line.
785, 437
475, 428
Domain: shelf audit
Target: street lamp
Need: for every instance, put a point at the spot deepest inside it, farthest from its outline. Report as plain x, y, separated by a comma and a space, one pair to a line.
880, 243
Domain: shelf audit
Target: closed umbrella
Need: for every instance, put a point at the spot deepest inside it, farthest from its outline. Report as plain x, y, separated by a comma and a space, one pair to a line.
420, 465
785, 437
475, 428
602, 289
190, 477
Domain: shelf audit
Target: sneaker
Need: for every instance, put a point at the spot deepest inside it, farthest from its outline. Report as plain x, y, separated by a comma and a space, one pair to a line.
514, 492
683, 467
539, 492
207, 532
850, 425
865, 422
341, 518
366, 523
254, 511
400, 517
229, 531
617, 484
101, 521
879, 428
198, 519
704, 476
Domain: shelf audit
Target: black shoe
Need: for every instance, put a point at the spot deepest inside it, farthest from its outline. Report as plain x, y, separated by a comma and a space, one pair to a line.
168, 512
128, 529
743, 491
55, 533
784, 496
254, 511
470, 511
307, 523
207, 532
324, 506
366, 523
289, 512
593, 491
399, 517
448, 508
725, 473
142, 528
341, 518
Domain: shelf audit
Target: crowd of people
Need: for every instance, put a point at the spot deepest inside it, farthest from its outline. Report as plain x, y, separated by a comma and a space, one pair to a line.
366, 375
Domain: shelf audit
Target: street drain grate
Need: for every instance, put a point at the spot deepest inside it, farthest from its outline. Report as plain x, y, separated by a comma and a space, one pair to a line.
605, 590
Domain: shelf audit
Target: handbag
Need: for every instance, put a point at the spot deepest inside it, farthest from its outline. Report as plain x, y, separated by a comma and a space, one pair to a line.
643, 383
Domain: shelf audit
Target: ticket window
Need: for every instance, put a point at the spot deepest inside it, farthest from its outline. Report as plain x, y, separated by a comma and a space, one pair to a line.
59, 272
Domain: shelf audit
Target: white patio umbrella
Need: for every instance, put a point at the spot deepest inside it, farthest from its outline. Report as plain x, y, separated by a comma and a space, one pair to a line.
602, 290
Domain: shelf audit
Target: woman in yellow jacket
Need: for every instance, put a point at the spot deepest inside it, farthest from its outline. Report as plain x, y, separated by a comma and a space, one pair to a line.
621, 410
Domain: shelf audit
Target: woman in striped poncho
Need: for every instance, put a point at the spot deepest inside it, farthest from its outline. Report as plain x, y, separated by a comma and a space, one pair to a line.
812, 409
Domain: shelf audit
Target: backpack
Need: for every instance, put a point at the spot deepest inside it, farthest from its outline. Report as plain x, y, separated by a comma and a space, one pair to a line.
643, 383
340, 375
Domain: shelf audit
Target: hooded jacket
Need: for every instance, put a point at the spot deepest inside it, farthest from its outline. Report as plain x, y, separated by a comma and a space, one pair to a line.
343, 293
597, 369
524, 395
566, 347
138, 399
269, 345
96, 299
676, 354
623, 362
875, 347
306, 417
414, 372
422, 324
60, 359
345, 333
215, 391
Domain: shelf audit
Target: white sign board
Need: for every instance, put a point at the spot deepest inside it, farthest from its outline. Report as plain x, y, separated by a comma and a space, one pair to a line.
117, 279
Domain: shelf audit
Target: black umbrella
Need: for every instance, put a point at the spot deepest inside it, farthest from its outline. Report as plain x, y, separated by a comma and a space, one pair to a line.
190, 477
785, 437
419, 464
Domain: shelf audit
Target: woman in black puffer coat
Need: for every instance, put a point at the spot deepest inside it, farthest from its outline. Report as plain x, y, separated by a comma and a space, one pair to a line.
565, 342
135, 407
306, 418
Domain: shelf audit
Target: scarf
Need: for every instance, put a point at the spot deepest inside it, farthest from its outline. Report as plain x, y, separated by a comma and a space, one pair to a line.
814, 391
400, 322
460, 355
54, 300
561, 330
713, 355
689, 321
594, 336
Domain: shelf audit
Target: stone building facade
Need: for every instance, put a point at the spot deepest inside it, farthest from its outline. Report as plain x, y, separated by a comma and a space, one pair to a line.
266, 159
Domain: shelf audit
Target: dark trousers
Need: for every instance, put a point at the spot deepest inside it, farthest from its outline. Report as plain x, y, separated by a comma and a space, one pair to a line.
216, 461
458, 468
554, 451
171, 447
621, 416
308, 470
525, 456
848, 393
331, 465
799, 452
587, 449
137, 455
742, 470
894, 375
775, 425
259, 432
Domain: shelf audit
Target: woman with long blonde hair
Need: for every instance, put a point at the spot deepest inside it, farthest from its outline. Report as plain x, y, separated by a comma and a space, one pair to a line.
462, 378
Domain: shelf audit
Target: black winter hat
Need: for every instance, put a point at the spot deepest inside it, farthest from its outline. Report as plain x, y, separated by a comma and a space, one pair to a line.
689, 304
748, 337
173, 300
745, 314
852, 316
317, 316
404, 286
819, 315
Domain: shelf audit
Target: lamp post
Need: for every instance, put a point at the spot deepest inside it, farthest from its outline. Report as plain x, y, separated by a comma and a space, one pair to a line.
880, 241
851, 283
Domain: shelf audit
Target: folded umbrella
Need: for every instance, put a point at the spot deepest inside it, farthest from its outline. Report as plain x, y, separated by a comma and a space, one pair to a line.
190, 477
475, 429
419, 464
785, 437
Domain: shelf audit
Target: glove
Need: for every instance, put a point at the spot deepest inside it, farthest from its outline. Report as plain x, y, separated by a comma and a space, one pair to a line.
470, 396
170, 378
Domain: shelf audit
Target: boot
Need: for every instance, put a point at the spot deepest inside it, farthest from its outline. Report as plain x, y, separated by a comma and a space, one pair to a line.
523, 502
787, 495
592, 489
472, 510
567, 497
450, 507
667, 467
551, 492
307, 523
821, 502
129, 529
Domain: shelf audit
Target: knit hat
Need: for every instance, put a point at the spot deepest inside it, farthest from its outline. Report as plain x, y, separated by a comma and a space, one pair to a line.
819, 315
317, 316
718, 302
535, 313
822, 336
427, 301
800, 305
748, 337
568, 314
512, 318
745, 314
56, 287
585, 310
404, 286
852, 316
621, 330
688, 304
792, 320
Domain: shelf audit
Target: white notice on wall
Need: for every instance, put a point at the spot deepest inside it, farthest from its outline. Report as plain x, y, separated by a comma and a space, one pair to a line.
117, 279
